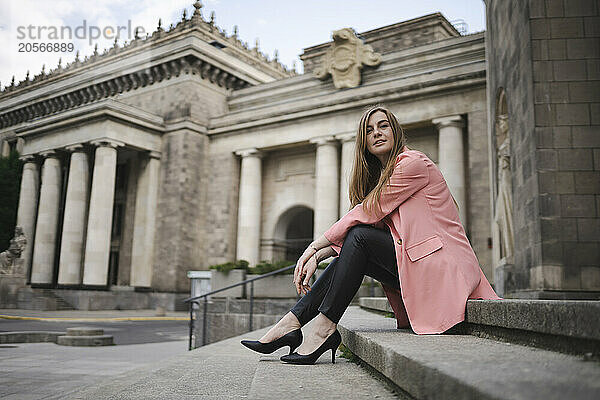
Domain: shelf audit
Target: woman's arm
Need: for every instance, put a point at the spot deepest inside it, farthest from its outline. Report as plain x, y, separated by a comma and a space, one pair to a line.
409, 176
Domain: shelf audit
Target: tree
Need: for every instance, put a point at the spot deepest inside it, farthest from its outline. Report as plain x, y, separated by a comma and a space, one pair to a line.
11, 169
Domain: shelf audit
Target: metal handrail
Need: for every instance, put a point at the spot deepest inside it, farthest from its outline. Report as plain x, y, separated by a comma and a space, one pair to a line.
195, 300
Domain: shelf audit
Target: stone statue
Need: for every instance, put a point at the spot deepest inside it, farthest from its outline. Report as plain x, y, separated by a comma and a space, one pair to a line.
10, 260
504, 204
345, 58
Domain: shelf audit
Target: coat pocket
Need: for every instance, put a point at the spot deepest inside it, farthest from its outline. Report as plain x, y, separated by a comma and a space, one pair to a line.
424, 248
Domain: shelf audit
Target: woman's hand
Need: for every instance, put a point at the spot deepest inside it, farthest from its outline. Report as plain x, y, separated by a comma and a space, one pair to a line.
299, 271
309, 269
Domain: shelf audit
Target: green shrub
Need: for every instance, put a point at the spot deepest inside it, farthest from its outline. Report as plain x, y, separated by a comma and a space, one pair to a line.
11, 169
228, 266
265, 267
323, 265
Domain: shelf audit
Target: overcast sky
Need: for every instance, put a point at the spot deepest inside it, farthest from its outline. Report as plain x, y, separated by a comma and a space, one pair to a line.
285, 25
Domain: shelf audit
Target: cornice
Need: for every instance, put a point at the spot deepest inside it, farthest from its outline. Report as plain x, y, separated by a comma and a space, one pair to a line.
106, 109
196, 24
358, 99
97, 91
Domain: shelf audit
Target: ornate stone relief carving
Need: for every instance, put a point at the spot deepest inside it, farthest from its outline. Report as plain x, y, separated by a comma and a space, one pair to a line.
11, 262
345, 58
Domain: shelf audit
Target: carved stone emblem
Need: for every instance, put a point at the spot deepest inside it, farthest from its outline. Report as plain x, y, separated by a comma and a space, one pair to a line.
345, 58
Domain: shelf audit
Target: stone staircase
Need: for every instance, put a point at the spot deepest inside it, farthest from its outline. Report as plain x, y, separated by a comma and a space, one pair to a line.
227, 370
510, 349
505, 350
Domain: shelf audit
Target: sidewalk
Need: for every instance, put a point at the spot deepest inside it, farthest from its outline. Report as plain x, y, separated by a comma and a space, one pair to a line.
92, 316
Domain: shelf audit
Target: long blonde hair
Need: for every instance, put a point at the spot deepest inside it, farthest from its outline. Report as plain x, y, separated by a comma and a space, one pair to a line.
369, 177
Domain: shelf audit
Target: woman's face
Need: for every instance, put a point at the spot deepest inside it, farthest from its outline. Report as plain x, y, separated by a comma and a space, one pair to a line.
380, 138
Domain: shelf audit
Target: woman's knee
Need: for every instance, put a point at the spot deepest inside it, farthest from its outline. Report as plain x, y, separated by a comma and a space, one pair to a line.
358, 234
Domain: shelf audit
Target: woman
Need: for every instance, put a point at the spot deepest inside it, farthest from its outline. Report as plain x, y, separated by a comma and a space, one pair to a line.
403, 230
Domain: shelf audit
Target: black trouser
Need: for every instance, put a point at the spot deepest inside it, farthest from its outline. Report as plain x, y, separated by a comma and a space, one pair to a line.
366, 251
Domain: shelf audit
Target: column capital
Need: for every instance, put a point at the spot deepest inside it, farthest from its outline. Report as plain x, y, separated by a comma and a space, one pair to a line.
107, 143
154, 154
78, 147
322, 140
346, 137
29, 158
252, 152
452, 120
48, 154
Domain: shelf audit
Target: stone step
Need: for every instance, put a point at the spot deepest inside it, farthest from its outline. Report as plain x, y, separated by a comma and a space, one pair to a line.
227, 370
84, 331
85, 341
560, 325
222, 370
345, 379
464, 366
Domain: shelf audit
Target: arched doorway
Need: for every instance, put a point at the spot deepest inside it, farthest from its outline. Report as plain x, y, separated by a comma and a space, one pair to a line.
293, 233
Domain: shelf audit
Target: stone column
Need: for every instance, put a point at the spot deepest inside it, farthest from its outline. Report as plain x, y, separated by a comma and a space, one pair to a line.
76, 206
28, 204
327, 184
142, 253
5, 148
44, 248
451, 159
249, 210
348, 144
97, 243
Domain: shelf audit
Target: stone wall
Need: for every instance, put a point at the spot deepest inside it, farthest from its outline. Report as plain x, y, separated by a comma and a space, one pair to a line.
221, 207
478, 195
566, 66
185, 96
509, 67
179, 238
551, 84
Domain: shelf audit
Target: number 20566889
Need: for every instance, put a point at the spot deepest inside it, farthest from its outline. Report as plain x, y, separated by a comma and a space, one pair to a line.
34, 47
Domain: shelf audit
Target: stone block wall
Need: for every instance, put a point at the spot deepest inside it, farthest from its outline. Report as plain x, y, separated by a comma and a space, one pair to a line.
185, 96
221, 207
179, 237
565, 42
478, 195
552, 86
508, 54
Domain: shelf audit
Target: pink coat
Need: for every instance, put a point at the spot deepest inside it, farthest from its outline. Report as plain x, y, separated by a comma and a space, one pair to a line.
437, 267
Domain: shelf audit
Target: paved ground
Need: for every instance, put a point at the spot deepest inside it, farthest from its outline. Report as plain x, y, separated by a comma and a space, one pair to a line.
50, 371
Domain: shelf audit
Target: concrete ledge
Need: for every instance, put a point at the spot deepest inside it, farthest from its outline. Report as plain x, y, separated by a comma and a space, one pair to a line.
29, 337
379, 304
464, 366
574, 319
85, 331
85, 341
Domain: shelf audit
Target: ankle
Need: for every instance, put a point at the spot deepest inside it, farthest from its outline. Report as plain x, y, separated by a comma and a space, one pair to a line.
323, 326
289, 322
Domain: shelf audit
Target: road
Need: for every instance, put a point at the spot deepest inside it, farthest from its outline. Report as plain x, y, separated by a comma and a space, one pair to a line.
124, 332
50, 371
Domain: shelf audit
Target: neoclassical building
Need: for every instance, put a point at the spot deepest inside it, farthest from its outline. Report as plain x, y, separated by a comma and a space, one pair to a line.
189, 148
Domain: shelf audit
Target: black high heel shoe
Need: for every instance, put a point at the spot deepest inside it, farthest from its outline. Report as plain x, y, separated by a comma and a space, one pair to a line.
292, 339
331, 343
